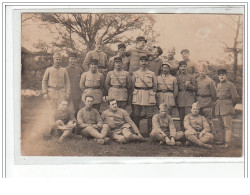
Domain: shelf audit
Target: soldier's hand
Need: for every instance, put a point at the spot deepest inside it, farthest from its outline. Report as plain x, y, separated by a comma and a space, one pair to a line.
200, 135
94, 126
45, 96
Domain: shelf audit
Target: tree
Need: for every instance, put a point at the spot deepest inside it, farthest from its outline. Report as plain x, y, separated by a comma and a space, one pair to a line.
236, 48
112, 28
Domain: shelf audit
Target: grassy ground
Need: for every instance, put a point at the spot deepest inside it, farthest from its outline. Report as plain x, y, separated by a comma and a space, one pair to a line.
34, 126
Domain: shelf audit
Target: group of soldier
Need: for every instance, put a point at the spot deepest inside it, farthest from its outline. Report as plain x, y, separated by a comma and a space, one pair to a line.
143, 80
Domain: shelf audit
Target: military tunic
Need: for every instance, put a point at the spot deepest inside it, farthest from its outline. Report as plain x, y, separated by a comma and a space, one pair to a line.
118, 84
134, 56
125, 62
64, 115
167, 90
56, 84
98, 55
75, 73
154, 65
192, 66
92, 84
174, 66
226, 98
144, 93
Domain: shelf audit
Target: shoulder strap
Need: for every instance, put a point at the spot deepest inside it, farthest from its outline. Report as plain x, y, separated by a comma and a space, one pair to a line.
117, 78
143, 81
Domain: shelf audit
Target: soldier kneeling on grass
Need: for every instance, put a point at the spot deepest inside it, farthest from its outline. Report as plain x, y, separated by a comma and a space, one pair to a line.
197, 128
122, 128
164, 129
64, 122
90, 122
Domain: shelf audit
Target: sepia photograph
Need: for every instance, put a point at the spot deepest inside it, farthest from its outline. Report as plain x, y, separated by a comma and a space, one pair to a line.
132, 84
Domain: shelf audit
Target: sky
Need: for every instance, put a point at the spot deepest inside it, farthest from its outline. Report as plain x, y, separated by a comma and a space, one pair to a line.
202, 34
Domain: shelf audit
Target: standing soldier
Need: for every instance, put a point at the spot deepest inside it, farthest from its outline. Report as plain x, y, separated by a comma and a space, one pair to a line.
186, 88
155, 61
121, 54
174, 64
144, 84
92, 84
206, 95
99, 55
136, 53
74, 73
224, 107
192, 66
55, 84
118, 83
197, 128
167, 88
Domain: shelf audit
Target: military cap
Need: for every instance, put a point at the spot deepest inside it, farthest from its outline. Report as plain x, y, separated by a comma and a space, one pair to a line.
196, 105
222, 71
165, 63
57, 55
72, 55
141, 39
144, 58
118, 59
94, 61
184, 51
159, 50
121, 45
182, 63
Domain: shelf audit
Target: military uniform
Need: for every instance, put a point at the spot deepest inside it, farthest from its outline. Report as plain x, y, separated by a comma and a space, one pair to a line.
118, 84
86, 118
92, 84
167, 90
164, 127
192, 67
134, 56
197, 129
174, 66
154, 65
75, 73
145, 85
206, 95
125, 62
186, 96
98, 55
122, 128
224, 107
56, 84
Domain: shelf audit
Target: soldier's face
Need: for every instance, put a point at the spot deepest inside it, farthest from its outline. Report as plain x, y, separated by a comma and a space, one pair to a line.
63, 105
185, 55
155, 52
89, 102
140, 44
122, 51
202, 73
98, 45
93, 67
72, 60
195, 110
144, 63
118, 65
171, 54
183, 68
222, 77
163, 112
57, 62
165, 69
113, 105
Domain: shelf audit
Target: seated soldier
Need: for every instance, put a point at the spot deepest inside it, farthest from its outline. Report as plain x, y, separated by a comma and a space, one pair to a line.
197, 128
64, 122
122, 128
90, 122
164, 129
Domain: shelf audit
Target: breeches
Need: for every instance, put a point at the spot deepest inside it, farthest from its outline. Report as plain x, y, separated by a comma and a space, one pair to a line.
207, 112
207, 137
96, 133
149, 111
183, 111
123, 135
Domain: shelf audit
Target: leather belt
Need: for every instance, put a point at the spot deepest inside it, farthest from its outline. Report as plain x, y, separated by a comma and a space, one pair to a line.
144, 88
204, 95
118, 87
92, 87
56, 88
224, 98
166, 91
